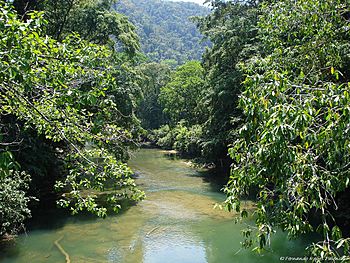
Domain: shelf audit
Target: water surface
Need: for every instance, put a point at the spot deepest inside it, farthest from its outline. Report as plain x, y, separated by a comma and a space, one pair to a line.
176, 223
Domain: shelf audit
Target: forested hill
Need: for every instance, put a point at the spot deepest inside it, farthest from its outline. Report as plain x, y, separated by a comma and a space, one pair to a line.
165, 29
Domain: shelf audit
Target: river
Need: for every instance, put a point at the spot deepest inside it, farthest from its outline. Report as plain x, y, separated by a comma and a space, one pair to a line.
176, 223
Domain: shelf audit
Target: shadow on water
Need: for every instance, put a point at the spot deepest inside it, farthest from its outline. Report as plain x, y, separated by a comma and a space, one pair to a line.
54, 220
57, 218
216, 177
8, 248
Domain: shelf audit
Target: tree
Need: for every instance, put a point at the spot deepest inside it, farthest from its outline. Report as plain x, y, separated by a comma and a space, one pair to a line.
78, 95
13, 198
150, 112
231, 28
165, 28
94, 21
293, 146
181, 96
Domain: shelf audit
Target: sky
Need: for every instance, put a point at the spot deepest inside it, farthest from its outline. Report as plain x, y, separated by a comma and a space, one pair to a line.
194, 1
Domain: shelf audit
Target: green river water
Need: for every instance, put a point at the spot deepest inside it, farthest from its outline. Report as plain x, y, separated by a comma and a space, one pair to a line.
175, 223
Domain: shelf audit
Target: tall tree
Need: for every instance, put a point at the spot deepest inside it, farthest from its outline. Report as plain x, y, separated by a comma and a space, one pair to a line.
231, 29
165, 28
94, 21
75, 97
181, 96
294, 144
150, 112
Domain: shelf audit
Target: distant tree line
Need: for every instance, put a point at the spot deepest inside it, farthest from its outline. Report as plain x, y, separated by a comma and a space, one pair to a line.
165, 28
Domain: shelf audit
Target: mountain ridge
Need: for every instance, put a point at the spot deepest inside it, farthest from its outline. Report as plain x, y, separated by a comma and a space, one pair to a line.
165, 29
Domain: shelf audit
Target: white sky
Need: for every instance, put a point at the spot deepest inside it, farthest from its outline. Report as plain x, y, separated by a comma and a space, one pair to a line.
197, 1
194, 1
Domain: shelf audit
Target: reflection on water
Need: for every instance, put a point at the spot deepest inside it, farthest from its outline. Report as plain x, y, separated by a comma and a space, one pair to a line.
176, 246
176, 223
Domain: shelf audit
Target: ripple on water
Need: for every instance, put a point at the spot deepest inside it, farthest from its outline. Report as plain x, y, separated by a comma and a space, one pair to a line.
176, 246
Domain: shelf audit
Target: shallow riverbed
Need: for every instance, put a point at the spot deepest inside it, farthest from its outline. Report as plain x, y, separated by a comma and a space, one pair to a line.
176, 223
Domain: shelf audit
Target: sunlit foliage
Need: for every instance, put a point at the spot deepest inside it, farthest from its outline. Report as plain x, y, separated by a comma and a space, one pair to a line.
293, 145
75, 93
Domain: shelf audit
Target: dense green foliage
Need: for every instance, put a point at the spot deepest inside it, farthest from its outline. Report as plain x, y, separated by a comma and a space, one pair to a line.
94, 21
270, 98
180, 100
165, 29
209, 97
13, 199
230, 27
181, 95
79, 98
293, 145
150, 111
182, 137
